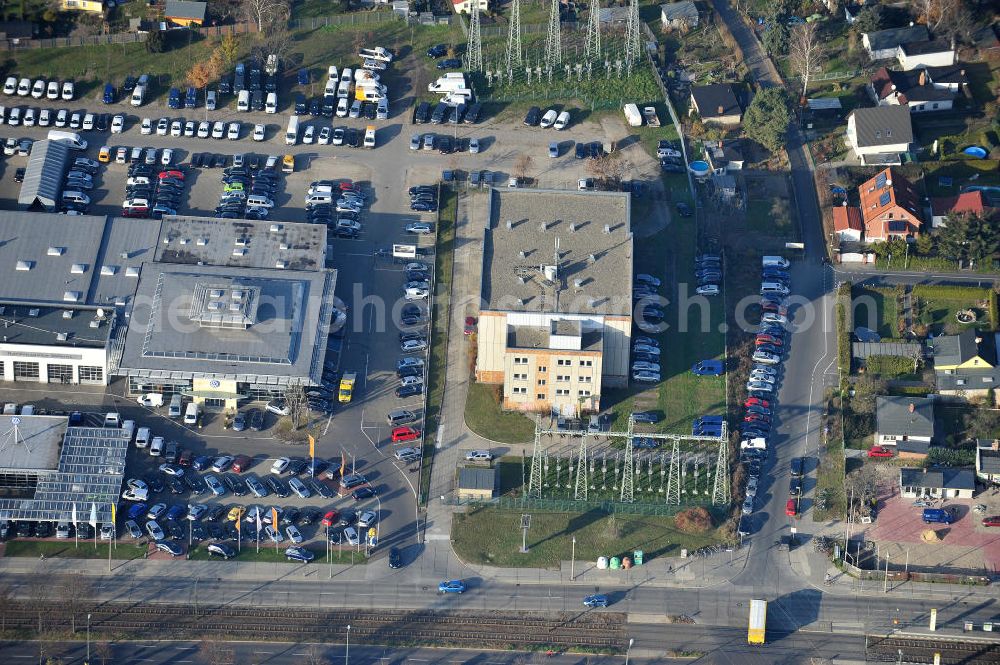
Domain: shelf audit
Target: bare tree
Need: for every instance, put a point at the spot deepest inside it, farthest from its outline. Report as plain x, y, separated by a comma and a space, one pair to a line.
314, 656
295, 400
277, 42
807, 52
521, 166
609, 170
104, 651
75, 594
217, 653
265, 13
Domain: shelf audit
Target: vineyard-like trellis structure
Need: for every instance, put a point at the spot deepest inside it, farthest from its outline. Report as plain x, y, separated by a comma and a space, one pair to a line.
688, 469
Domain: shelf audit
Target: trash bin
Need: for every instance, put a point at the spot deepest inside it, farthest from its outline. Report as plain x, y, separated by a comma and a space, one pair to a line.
626, 562
637, 557
616, 563
602, 563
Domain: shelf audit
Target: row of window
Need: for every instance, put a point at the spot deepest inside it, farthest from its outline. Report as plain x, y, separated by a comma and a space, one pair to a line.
560, 392
28, 371
561, 362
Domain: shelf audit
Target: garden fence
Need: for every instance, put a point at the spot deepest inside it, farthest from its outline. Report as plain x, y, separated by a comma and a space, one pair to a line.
66, 42
352, 18
572, 506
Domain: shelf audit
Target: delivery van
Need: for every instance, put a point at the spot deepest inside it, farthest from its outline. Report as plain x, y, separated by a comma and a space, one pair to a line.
191, 414
174, 410
292, 133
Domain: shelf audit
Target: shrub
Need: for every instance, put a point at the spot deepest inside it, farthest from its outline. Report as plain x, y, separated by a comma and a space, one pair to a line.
694, 520
889, 365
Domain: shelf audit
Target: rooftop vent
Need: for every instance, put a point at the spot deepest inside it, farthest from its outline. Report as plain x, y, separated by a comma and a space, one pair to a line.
523, 254
95, 323
56, 251
109, 270
607, 229
78, 268
275, 228
201, 242
238, 295
24, 266
166, 240
542, 227
185, 241
33, 312
510, 224
591, 258
132, 271
572, 227
524, 279
550, 272
241, 242
214, 305
280, 263
62, 337
240, 251
235, 307
578, 283
283, 245
215, 293
123, 256
68, 314
72, 296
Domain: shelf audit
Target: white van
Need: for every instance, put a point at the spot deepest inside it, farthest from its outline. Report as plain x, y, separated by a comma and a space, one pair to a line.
257, 201
156, 447
316, 199
191, 414
174, 410
75, 197
773, 287
243, 101
271, 105
142, 437
343, 108
112, 420
774, 262
151, 400
72, 139
292, 133
562, 122
210, 100
347, 75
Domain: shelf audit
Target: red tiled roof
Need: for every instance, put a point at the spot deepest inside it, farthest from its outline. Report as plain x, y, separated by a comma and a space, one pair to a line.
965, 202
846, 218
900, 194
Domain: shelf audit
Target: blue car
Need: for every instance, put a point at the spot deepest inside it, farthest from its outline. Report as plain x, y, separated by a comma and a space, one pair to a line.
596, 600
137, 510
300, 554
176, 512
303, 77
201, 463
649, 417
707, 368
451, 586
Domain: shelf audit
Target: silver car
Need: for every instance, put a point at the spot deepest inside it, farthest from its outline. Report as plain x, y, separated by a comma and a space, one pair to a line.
154, 530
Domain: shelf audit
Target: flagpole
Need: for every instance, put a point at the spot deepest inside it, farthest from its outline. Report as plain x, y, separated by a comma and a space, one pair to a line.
76, 531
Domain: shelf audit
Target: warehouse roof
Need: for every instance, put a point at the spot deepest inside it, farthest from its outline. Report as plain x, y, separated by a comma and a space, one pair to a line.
48, 325
477, 478
593, 270
43, 176
185, 9
30, 443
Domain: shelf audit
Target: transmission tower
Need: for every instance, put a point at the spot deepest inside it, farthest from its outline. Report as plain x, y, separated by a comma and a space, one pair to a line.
593, 51
720, 492
535, 479
628, 472
553, 43
674, 477
633, 36
582, 468
515, 58
475, 55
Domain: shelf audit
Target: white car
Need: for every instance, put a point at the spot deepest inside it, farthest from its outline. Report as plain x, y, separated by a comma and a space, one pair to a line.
53, 90
233, 133
293, 534
190, 128
760, 386
418, 228
548, 119
416, 294
708, 290
62, 117
142, 437
146, 127
338, 136
646, 377
766, 357
135, 494
774, 317
88, 122
273, 534
367, 519
643, 366
24, 88
324, 136
562, 122
411, 380
10, 85
162, 126
412, 345
218, 129
118, 124
176, 128
351, 536
757, 375
154, 530
204, 129
299, 488
280, 465
67, 91
646, 348
309, 135
258, 132
167, 157
29, 117
38, 90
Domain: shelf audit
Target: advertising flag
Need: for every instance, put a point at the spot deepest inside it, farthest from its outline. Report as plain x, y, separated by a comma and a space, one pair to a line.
114, 514
93, 515
239, 528
343, 463
312, 446
74, 512
274, 518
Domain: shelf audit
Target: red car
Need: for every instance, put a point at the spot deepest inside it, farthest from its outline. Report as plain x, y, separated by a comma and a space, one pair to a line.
774, 308
470, 325
756, 418
405, 434
791, 508
330, 518
185, 458
757, 401
992, 521
241, 463
172, 174
879, 451
348, 186
769, 339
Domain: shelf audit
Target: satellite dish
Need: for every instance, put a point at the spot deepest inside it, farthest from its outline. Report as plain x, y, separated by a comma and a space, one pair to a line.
100, 312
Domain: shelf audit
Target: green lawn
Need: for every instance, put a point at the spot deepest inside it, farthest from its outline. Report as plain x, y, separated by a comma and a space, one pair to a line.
962, 172
770, 217
484, 417
883, 317
268, 554
66, 549
830, 472
936, 306
492, 536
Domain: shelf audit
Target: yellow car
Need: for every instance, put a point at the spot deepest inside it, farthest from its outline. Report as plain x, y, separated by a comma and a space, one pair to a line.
104, 156
236, 513
288, 164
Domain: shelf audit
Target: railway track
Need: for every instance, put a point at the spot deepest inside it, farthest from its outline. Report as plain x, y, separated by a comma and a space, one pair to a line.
891, 649
600, 631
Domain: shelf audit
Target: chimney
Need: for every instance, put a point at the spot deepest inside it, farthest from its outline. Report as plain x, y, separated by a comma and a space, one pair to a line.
722, 109
912, 407
923, 77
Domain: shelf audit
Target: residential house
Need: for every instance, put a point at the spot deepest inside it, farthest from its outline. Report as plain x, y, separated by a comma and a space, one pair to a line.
988, 460
724, 156
465, 6
679, 15
884, 44
924, 89
879, 135
937, 483
16, 30
477, 483
716, 103
905, 423
847, 223
613, 17
933, 53
965, 364
95, 6
725, 186
185, 12
943, 207
890, 206
986, 41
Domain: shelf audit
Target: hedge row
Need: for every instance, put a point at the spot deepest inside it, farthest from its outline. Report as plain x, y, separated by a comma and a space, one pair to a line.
889, 366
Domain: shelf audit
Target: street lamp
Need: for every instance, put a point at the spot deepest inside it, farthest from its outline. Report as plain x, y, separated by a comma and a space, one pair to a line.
572, 564
347, 650
88, 638
630, 642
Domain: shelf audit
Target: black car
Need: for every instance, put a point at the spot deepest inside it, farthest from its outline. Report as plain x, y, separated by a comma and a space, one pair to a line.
409, 371
437, 51
309, 516
409, 391
198, 531
296, 466
450, 63
290, 515
315, 107
43, 530
129, 84
581, 150
439, 114
196, 160
176, 486
395, 560
595, 149
219, 161
445, 145
667, 167
19, 175
472, 115
683, 209
352, 137
322, 489
278, 487
215, 511
423, 113
650, 417
533, 117
101, 123
317, 468
194, 483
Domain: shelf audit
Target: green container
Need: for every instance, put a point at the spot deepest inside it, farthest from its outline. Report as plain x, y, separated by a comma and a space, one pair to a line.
615, 563
637, 557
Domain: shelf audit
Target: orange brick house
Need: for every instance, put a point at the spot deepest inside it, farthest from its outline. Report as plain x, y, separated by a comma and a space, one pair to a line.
890, 207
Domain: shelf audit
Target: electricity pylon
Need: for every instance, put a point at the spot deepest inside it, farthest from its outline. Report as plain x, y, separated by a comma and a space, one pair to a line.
475, 56
553, 43
593, 50
515, 57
